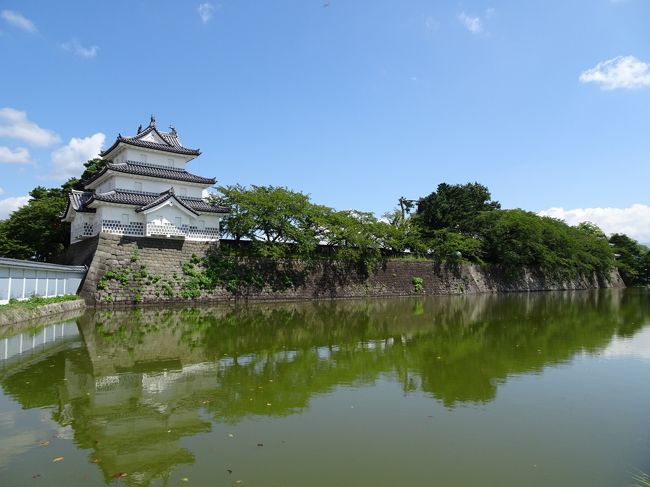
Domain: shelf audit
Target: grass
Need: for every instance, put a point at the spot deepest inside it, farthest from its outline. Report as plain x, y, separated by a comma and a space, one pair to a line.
36, 301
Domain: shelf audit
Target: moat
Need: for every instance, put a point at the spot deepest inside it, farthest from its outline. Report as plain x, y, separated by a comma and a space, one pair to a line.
532, 389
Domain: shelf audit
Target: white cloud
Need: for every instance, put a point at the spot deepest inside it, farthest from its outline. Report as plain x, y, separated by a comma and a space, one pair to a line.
431, 24
625, 72
18, 20
81, 51
68, 161
2, 190
17, 156
206, 10
14, 125
9, 205
636, 347
472, 24
633, 221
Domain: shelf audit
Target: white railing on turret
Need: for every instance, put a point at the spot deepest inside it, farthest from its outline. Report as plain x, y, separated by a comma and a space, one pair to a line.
116, 227
184, 231
84, 230
138, 229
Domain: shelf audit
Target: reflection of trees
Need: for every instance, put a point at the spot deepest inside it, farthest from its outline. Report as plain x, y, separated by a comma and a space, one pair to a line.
456, 348
147, 375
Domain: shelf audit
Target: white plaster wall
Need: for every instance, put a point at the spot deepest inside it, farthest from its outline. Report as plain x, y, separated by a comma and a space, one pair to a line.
106, 186
169, 215
150, 186
159, 158
118, 213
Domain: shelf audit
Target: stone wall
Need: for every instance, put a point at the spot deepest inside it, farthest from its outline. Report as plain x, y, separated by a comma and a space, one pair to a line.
150, 271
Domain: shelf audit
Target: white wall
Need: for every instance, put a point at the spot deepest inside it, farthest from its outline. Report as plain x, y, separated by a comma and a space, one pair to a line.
124, 215
133, 183
159, 158
172, 215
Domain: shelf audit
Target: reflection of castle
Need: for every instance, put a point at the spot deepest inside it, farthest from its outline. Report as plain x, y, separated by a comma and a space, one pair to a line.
149, 380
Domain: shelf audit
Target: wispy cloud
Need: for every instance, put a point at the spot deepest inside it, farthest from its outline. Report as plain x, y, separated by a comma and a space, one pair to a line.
206, 11
472, 24
15, 156
9, 205
431, 24
622, 72
15, 125
75, 47
18, 20
68, 161
633, 221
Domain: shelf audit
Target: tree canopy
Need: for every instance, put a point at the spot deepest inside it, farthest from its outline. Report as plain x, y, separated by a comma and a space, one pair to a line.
35, 231
454, 206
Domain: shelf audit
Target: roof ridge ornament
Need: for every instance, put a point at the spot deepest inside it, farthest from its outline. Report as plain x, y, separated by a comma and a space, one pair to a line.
152, 121
139, 128
173, 129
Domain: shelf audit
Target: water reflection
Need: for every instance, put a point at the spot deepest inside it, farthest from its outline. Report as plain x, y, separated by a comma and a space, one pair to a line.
146, 379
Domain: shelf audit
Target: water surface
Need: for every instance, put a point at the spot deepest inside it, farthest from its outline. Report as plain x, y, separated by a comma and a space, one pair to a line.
527, 389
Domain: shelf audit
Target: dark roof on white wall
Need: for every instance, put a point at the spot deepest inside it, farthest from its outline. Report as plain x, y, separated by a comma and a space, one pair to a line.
151, 170
147, 200
171, 142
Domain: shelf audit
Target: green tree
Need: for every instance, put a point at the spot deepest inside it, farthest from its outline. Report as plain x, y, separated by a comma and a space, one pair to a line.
35, 231
631, 259
454, 206
517, 239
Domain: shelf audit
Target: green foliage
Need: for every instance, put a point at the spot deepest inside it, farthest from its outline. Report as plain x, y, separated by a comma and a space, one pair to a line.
454, 206
632, 260
418, 284
36, 301
35, 231
284, 224
516, 239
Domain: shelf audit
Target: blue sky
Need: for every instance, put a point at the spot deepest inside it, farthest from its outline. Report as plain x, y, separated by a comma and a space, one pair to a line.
354, 102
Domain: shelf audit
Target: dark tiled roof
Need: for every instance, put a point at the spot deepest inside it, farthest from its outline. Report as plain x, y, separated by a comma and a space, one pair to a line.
164, 197
172, 143
152, 170
78, 199
142, 199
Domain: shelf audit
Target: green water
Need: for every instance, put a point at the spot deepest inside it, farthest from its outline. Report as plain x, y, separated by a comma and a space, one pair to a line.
548, 389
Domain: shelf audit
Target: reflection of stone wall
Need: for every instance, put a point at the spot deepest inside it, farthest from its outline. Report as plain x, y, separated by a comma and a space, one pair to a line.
163, 259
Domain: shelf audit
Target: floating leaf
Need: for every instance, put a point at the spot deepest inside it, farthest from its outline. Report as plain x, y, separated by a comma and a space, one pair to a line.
120, 475
185, 479
57, 459
260, 444
44, 442
228, 470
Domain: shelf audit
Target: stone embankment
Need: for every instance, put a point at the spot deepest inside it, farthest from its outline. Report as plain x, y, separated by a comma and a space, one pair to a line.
18, 315
126, 271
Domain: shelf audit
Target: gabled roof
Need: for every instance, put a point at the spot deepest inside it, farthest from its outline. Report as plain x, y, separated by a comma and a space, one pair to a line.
170, 141
164, 196
151, 170
142, 199
77, 201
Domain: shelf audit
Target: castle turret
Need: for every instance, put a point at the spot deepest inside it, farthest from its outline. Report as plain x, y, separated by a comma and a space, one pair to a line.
145, 190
